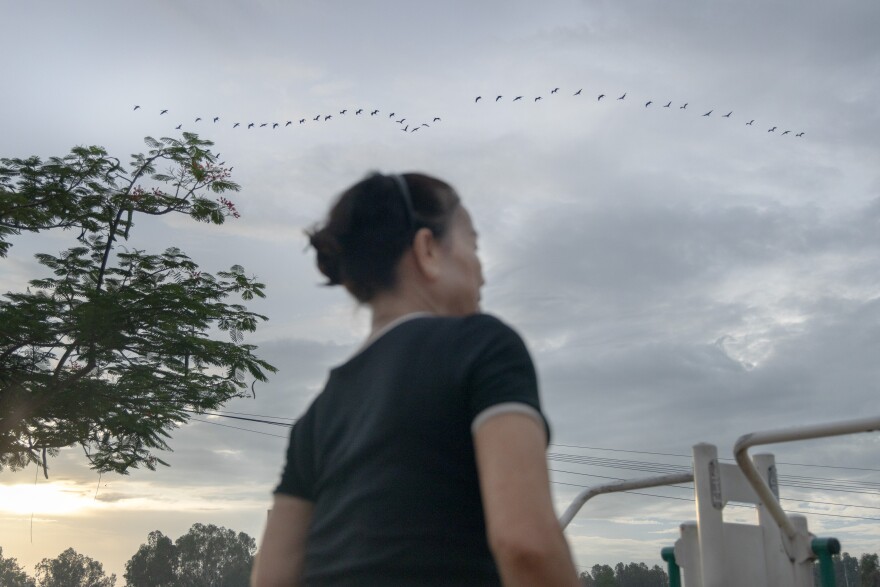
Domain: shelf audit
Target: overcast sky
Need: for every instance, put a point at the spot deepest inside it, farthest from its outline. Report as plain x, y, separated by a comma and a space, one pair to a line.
678, 278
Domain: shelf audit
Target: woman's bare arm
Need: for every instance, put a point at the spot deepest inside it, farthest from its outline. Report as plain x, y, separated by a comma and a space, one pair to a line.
523, 532
280, 558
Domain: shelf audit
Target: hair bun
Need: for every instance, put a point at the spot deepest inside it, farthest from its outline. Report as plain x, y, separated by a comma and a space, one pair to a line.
329, 251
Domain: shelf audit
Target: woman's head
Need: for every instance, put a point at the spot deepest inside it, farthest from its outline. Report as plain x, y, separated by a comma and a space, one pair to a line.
368, 244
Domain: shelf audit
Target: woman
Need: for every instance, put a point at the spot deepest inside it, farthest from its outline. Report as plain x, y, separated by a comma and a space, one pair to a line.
423, 460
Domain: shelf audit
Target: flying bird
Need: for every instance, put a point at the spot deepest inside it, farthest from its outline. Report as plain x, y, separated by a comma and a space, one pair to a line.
374, 112
401, 121
728, 114
178, 127
709, 112
275, 125
198, 119
318, 117
772, 129
751, 122
426, 124
436, 118
477, 99
391, 115
343, 111
264, 124
498, 98
250, 125
800, 134
289, 122
404, 129
668, 104
623, 96
163, 112
600, 97
302, 120
683, 107
648, 103
554, 90
136, 107
236, 124
216, 118
328, 117
414, 129
517, 98
786, 132
359, 110
578, 93
538, 98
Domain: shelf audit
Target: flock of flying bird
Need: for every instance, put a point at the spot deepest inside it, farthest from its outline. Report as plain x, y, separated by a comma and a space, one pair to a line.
414, 126
647, 104
405, 126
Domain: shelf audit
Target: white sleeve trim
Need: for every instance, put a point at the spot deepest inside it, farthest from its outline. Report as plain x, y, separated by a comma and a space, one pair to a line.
506, 408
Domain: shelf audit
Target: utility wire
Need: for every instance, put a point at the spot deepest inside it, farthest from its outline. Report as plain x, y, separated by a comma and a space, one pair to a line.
641, 466
284, 424
224, 414
237, 428
668, 454
849, 505
729, 505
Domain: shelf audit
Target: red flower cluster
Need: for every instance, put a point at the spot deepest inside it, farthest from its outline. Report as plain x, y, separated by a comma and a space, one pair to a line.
229, 206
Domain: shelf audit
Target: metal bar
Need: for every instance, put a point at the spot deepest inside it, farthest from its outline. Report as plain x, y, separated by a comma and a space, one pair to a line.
668, 554
745, 442
627, 485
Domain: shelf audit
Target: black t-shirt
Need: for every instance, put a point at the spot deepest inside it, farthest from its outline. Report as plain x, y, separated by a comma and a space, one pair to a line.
386, 454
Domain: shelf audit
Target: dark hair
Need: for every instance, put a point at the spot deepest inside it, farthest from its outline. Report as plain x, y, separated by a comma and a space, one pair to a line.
367, 230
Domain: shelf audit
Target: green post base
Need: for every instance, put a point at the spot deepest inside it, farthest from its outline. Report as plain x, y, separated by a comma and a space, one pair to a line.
668, 554
824, 548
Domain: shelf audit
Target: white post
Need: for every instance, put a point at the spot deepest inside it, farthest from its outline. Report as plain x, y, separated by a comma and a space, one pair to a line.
707, 490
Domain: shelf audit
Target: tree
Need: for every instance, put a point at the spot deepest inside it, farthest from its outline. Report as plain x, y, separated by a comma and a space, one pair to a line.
212, 556
12, 575
112, 351
154, 564
639, 575
603, 576
71, 569
869, 566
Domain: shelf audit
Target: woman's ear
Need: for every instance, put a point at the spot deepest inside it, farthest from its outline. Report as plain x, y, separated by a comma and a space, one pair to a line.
426, 254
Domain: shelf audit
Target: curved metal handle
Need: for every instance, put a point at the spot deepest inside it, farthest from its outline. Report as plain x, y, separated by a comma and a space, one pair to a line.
627, 485
745, 442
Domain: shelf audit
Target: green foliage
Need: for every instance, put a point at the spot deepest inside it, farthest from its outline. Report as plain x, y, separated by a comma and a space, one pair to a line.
869, 565
206, 556
155, 563
11, 575
112, 350
71, 569
625, 575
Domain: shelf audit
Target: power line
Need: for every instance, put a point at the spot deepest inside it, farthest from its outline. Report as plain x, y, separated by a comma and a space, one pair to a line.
817, 483
219, 412
729, 505
668, 454
849, 505
284, 424
791, 481
237, 428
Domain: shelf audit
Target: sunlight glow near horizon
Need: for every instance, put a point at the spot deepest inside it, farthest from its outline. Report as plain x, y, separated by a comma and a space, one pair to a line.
58, 498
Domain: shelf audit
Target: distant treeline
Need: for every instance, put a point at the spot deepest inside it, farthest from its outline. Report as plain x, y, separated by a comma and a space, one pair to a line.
213, 556
849, 572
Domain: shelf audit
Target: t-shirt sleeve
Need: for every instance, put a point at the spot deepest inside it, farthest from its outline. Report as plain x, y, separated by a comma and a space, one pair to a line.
298, 476
499, 368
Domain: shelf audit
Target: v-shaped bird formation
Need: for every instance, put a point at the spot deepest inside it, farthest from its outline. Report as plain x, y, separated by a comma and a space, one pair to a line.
320, 118
622, 97
411, 126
